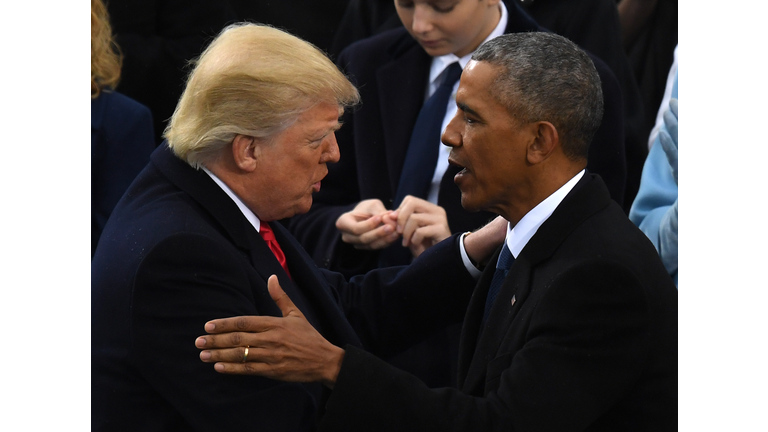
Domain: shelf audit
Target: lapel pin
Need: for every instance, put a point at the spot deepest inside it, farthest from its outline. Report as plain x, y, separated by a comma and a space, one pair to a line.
513, 300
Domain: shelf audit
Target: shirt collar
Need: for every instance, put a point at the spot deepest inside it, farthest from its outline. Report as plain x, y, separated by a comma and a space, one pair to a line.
252, 218
440, 63
518, 236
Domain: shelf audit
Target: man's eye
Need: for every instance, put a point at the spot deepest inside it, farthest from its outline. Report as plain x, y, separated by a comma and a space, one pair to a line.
405, 4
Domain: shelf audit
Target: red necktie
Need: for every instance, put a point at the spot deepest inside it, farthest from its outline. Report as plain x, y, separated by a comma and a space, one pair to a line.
269, 237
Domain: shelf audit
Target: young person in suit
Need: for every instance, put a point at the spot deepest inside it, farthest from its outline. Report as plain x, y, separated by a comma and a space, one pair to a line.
349, 228
193, 239
573, 329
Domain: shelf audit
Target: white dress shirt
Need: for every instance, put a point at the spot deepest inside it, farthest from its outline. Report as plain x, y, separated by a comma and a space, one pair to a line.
518, 236
251, 216
439, 64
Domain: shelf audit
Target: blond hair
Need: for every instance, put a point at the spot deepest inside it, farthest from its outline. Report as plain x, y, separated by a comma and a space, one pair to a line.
252, 80
106, 59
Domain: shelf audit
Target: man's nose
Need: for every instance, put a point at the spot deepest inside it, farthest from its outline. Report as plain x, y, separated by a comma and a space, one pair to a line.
331, 153
452, 134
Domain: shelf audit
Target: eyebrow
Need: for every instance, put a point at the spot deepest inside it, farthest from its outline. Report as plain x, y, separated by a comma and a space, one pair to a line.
466, 109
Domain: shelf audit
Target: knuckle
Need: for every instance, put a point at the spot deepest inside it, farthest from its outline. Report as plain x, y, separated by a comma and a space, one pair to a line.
241, 323
236, 339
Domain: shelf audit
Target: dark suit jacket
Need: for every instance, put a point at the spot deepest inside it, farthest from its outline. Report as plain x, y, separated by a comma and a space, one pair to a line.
121, 142
589, 344
178, 252
391, 71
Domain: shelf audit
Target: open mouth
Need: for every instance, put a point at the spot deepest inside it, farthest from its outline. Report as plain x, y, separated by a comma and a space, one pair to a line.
456, 164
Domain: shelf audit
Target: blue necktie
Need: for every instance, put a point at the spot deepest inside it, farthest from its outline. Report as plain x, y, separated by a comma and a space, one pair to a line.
421, 158
502, 268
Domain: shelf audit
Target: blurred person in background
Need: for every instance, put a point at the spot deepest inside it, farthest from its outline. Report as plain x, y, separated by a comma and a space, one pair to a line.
121, 128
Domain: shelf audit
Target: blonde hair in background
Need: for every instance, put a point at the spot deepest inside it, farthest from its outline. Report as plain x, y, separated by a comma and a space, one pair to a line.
106, 59
252, 80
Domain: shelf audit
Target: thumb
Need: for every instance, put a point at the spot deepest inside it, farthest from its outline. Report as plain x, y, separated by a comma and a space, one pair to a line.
281, 298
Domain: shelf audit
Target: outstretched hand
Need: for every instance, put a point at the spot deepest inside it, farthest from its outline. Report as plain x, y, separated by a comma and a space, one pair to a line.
286, 349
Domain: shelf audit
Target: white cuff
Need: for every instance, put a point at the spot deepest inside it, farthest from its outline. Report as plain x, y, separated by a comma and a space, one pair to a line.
473, 271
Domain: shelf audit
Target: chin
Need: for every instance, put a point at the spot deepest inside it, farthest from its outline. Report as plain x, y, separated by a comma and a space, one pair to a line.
468, 205
303, 206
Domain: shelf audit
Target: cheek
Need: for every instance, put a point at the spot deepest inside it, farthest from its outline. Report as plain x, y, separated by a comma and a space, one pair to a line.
406, 17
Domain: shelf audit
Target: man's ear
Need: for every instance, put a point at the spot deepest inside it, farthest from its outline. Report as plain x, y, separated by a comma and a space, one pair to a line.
244, 152
546, 140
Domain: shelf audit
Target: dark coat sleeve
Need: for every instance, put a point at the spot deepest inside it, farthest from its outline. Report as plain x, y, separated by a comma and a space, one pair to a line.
560, 368
387, 308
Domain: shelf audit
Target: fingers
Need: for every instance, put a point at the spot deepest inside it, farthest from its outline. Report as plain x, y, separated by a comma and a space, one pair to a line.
235, 340
423, 227
357, 223
239, 324
416, 214
281, 298
375, 232
262, 369
430, 234
255, 323
411, 205
670, 149
377, 238
670, 123
370, 206
673, 105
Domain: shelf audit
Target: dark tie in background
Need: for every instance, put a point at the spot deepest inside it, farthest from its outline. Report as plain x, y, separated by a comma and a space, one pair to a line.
502, 268
269, 237
421, 158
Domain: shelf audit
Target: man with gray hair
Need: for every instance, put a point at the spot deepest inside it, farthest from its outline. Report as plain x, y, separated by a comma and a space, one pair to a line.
195, 238
573, 329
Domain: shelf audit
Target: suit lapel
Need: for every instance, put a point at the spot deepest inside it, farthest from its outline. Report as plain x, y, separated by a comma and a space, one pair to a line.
402, 84
471, 327
488, 338
475, 351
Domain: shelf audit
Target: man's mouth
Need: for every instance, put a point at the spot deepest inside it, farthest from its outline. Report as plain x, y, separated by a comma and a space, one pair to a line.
458, 165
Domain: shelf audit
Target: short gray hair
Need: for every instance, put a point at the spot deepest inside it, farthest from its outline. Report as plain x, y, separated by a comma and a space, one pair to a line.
546, 77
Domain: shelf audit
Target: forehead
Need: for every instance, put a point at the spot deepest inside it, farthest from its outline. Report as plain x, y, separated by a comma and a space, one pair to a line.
324, 115
476, 87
